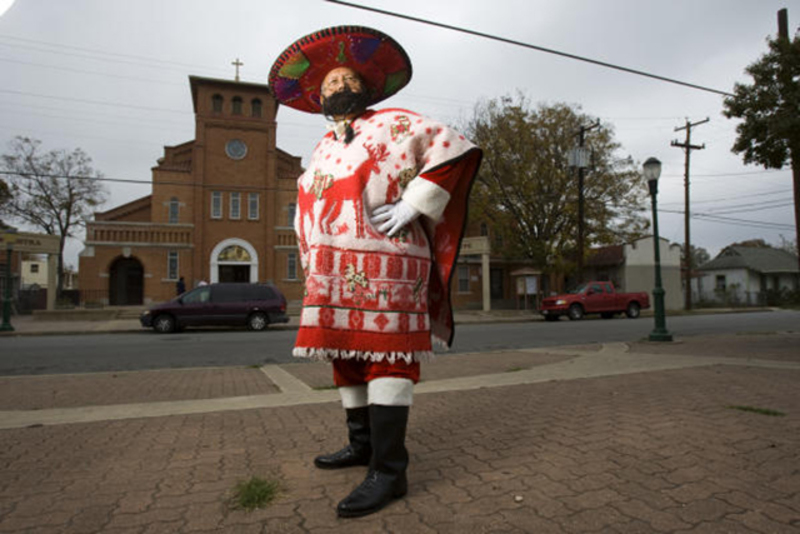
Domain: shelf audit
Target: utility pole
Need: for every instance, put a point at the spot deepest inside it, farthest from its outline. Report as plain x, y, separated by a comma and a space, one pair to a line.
580, 160
687, 250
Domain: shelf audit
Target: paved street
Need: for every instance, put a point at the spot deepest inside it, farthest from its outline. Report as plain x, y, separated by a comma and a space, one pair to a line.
136, 348
615, 437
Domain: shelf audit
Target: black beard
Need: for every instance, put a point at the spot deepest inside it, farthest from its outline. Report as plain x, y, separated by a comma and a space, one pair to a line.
345, 102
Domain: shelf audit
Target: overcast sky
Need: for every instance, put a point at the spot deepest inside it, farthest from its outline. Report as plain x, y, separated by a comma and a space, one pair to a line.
111, 77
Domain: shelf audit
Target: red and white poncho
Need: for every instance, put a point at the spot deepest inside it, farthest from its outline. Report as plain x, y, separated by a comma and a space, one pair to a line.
369, 296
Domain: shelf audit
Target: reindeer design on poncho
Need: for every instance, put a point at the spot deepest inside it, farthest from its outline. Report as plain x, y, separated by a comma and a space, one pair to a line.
335, 192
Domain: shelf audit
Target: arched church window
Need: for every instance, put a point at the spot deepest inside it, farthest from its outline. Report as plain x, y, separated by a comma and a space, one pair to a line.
237, 105
234, 253
255, 108
216, 103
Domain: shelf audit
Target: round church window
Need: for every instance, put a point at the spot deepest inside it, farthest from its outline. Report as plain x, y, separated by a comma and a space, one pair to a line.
236, 149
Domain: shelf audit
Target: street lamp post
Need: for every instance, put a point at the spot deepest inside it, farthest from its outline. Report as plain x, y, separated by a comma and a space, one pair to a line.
9, 238
652, 171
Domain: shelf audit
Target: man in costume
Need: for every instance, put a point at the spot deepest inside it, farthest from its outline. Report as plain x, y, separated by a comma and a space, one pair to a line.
381, 212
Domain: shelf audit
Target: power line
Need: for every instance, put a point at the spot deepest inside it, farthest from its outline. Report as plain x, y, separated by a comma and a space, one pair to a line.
769, 193
727, 174
89, 101
112, 56
723, 211
31, 176
533, 47
81, 71
766, 225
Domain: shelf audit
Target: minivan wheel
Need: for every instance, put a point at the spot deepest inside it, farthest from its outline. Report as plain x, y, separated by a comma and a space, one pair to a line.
257, 321
575, 312
164, 324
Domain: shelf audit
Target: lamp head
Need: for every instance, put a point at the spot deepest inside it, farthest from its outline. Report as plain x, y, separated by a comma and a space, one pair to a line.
652, 171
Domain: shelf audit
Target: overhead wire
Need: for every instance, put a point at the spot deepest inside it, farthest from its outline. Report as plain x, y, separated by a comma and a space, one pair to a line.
733, 220
763, 194
532, 47
111, 56
31, 176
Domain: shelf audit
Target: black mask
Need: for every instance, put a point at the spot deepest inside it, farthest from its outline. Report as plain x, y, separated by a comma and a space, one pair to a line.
345, 102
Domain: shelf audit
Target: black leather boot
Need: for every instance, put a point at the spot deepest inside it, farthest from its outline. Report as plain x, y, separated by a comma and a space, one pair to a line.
358, 451
386, 479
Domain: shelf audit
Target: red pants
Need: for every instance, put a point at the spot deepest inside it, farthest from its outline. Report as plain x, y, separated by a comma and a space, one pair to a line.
358, 372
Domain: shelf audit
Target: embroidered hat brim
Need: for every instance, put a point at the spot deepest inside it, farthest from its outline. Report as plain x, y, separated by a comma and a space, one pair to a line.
297, 74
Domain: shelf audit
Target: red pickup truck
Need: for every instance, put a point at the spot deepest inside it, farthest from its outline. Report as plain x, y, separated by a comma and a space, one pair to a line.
594, 297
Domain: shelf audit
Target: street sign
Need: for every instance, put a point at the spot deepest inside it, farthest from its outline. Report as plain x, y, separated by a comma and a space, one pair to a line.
34, 243
474, 245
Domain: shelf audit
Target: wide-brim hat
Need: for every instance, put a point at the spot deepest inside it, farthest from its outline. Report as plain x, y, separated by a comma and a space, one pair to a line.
297, 74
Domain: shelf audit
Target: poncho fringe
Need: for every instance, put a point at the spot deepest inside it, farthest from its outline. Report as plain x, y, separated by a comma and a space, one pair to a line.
322, 354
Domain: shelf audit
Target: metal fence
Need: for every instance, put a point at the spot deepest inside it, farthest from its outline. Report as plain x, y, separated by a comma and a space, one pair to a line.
731, 299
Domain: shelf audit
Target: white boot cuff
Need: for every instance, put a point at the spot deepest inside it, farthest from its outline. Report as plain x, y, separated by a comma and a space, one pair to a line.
353, 396
389, 391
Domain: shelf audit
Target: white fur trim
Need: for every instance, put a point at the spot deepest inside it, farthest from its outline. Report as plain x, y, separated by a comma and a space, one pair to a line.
353, 396
390, 391
426, 197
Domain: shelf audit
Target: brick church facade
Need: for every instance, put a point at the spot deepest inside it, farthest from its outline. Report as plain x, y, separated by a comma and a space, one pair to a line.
221, 208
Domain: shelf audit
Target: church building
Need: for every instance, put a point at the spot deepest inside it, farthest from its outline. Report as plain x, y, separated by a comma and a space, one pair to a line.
221, 209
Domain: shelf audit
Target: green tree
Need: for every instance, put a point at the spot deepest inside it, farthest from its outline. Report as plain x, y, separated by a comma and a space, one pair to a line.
55, 191
769, 133
529, 193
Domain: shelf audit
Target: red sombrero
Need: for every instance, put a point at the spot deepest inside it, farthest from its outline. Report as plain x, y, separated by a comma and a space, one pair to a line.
297, 74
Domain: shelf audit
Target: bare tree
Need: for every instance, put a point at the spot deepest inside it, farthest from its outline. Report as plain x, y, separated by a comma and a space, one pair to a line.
55, 191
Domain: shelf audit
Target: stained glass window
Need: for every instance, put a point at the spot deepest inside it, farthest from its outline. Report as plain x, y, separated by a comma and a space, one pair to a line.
234, 253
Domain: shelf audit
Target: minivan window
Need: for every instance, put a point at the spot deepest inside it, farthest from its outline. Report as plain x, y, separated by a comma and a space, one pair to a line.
229, 293
263, 293
201, 294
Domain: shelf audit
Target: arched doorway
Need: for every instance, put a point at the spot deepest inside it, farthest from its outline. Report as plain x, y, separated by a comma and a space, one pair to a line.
126, 282
234, 260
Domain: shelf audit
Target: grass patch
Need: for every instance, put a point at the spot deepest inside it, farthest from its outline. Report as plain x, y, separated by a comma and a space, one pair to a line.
323, 388
515, 369
254, 366
255, 493
762, 411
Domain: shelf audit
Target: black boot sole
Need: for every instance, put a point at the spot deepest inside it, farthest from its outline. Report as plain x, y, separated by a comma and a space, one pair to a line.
368, 511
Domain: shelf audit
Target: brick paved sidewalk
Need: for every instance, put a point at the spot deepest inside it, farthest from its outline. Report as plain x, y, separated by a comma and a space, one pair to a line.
93, 389
654, 451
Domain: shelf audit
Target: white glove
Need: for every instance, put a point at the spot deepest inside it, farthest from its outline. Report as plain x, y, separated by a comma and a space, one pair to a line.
393, 217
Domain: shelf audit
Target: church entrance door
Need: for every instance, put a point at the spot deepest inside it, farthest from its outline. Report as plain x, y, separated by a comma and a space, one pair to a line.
234, 273
234, 260
126, 282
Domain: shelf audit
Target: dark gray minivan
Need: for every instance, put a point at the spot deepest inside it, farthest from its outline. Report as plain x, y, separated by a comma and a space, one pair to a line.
253, 305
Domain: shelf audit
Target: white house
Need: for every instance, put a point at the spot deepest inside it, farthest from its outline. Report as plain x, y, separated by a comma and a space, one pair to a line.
744, 275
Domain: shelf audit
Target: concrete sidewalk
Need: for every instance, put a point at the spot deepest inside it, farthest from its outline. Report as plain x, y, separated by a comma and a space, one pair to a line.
636, 437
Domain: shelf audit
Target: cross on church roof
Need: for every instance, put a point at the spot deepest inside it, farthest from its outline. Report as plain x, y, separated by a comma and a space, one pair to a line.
237, 64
